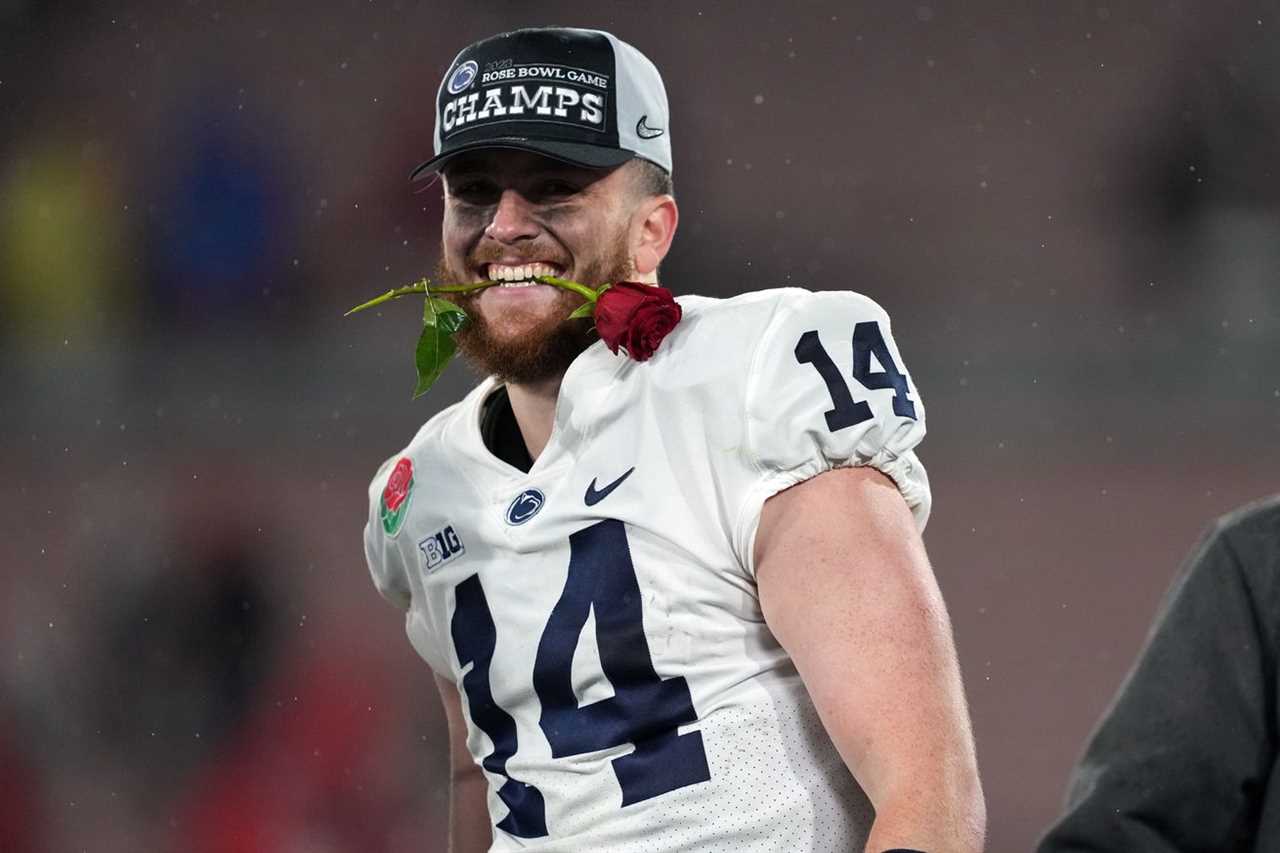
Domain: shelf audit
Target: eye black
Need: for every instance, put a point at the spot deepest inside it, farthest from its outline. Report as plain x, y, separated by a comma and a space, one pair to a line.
557, 189
474, 192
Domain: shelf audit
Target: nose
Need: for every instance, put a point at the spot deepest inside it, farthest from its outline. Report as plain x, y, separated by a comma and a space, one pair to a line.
512, 219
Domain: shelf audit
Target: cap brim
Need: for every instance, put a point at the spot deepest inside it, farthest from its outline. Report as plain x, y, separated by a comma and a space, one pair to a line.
574, 153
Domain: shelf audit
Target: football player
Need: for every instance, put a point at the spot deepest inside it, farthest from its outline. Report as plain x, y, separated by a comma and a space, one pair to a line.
677, 598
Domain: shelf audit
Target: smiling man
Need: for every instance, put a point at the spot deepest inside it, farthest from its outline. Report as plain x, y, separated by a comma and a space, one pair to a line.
674, 599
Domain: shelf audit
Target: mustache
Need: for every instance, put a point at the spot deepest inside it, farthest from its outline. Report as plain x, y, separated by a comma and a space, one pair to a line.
498, 254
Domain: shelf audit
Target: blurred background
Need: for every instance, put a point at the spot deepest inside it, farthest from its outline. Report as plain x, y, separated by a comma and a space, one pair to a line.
1071, 211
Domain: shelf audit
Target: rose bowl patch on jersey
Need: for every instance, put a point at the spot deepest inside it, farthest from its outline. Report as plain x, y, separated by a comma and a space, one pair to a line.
395, 497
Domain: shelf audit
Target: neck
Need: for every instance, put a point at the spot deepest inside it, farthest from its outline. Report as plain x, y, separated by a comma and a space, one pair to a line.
534, 405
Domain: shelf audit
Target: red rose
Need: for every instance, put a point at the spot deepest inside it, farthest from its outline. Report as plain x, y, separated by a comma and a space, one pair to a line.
398, 485
636, 317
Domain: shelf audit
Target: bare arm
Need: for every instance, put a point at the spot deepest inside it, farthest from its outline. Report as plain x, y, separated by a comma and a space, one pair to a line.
469, 829
846, 587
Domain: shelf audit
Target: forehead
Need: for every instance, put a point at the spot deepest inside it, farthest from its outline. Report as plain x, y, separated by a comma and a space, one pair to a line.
507, 165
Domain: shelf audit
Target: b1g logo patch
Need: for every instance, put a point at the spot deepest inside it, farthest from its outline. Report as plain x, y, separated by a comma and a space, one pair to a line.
441, 546
395, 497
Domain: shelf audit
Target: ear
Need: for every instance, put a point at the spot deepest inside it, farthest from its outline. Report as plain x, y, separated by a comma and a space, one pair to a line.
652, 230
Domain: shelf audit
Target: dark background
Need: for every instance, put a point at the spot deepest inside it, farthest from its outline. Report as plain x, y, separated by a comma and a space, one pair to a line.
1070, 209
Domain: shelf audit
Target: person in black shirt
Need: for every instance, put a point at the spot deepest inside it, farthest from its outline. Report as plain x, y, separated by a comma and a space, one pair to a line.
1186, 758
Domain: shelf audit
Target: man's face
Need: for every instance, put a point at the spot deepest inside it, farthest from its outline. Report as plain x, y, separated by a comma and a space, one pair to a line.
512, 215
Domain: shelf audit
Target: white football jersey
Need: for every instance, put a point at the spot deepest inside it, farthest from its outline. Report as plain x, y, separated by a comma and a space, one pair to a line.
599, 613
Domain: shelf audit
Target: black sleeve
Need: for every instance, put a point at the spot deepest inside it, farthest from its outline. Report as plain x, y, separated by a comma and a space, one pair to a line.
1181, 760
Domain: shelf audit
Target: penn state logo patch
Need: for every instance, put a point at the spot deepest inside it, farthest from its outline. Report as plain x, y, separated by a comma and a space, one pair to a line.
525, 506
463, 76
394, 505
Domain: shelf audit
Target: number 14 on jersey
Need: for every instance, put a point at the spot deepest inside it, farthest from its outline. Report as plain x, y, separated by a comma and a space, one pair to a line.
867, 341
645, 710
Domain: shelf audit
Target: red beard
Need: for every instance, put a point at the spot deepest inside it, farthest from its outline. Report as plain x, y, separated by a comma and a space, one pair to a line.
551, 342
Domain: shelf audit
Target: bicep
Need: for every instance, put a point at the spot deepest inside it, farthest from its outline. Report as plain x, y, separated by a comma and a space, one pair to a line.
846, 587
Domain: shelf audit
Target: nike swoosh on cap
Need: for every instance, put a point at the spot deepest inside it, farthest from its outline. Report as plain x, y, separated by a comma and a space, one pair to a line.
645, 132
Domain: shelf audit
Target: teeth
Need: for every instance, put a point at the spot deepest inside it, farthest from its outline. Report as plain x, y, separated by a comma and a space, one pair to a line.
521, 275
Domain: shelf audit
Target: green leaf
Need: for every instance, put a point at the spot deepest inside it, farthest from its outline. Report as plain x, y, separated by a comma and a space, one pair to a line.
586, 309
440, 320
450, 317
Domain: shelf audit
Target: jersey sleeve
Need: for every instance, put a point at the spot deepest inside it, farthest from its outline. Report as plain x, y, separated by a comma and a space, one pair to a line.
827, 389
386, 564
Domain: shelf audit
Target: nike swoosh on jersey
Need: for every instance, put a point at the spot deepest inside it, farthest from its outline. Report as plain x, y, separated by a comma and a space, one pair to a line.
594, 496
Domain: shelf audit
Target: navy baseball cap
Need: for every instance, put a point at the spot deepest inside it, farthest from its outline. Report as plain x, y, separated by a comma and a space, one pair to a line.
581, 96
